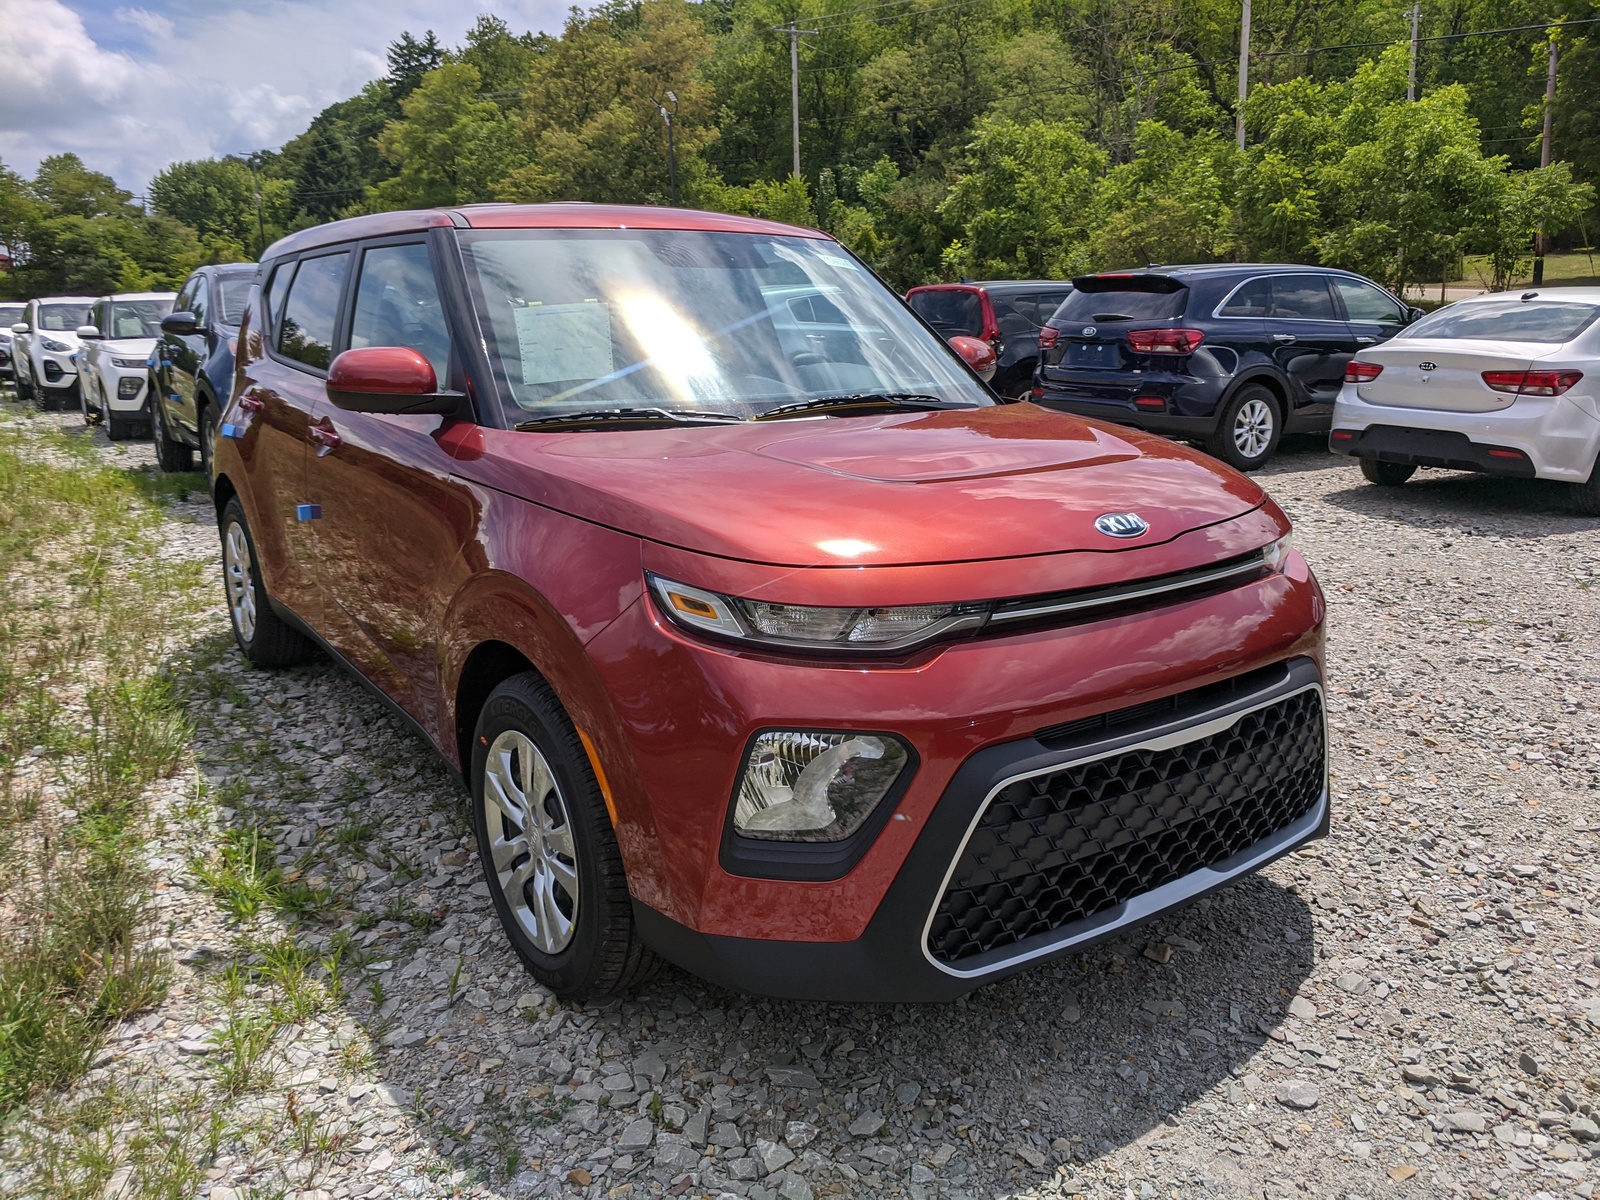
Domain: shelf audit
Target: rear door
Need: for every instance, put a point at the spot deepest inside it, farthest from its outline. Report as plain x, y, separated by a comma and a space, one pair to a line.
1311, 341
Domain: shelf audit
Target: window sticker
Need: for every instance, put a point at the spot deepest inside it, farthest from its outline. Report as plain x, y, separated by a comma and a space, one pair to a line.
833, 260
561, 342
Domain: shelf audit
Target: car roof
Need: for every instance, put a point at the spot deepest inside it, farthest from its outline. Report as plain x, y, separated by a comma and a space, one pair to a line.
228, 269
1000, 284
66, 299
1590, 294
566, 215
140, 296
1201, 269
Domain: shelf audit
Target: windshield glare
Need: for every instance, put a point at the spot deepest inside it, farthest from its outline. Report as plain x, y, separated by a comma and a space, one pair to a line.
734, 324
137, 318
1553, 321
63, 318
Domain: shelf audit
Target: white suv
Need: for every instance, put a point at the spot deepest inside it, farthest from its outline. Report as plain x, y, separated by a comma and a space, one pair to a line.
43, 347
114, 360
10, 314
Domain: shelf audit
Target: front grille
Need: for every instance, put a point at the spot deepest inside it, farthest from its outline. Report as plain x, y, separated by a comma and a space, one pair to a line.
1060, 847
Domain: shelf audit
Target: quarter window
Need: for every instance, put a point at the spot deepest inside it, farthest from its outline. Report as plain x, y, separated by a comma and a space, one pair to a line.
397, 304
312, 310
276, 287
1363, 302
1302, 297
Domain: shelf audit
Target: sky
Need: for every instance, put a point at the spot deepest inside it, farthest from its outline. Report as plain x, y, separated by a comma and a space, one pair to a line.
132, 87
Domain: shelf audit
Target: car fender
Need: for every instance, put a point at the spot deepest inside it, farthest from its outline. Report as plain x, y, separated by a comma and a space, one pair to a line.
1258, 372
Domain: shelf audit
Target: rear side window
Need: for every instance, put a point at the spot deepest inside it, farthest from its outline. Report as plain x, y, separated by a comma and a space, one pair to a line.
397, 304
950, 311
1024, 312
1302, 298
1136, 299
1252, 299
312, 309
1363, 302
1552, 321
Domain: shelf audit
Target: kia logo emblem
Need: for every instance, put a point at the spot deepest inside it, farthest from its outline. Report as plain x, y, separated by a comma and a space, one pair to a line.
1088, 331
1428, 366
1121, 525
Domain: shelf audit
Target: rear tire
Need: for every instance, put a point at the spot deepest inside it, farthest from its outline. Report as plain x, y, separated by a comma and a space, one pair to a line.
1585, 497
547, 848
171, 456
263, 636
24, 390
1248, 428
208, 439
1386, 474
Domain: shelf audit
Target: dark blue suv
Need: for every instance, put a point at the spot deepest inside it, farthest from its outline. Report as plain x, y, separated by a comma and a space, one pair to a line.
1228, 355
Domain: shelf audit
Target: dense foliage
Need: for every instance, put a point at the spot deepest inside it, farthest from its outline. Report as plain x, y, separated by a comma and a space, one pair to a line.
940, 138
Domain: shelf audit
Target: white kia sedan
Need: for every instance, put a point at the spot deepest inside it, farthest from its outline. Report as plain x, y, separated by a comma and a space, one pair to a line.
114, 359
1507, 383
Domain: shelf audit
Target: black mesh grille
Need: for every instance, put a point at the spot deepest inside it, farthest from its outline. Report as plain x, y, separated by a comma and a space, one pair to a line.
1061, 847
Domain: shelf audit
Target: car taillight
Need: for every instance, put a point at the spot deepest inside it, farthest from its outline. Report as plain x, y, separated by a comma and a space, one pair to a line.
1048, 337
1532, 383
1164, 341
1361, 372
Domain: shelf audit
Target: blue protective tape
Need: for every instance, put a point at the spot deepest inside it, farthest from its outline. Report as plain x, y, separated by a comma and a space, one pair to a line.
230, 430
308, 512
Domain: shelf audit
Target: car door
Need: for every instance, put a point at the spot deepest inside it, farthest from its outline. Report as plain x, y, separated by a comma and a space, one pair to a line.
1373, 314
393, 517
1311, 340
185, 354
273, 412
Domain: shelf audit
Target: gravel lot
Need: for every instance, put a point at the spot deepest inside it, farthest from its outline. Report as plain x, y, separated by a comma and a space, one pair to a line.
1411, 1007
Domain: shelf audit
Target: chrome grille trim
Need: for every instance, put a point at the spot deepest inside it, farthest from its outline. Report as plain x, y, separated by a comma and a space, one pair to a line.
1068, 603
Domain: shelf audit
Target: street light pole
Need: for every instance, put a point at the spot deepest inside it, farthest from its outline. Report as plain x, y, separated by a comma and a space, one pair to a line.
672, 152
1244, 72
261, 225
1539, 246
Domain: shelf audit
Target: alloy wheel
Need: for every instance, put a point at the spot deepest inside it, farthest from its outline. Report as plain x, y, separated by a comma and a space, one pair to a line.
534, 860
239, 575
1252, 428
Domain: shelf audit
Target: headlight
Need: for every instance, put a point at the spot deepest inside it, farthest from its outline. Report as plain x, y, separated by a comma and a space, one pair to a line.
808, 627
129, 364
1274, 553
54, 346
813, 786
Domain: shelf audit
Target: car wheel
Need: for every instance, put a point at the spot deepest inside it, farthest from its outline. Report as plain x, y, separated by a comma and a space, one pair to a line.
1249, 429
117, 429
89, 417
208, 439
1386, 474
170, 455
548, 850
263, 636
24, 390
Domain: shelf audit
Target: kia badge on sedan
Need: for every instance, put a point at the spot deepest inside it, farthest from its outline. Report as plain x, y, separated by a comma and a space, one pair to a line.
765, 640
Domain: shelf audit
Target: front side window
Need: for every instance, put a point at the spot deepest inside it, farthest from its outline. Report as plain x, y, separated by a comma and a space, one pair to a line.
63, 318
730, 324
311, 311
1363, 302
200, 300
276, 288
951, 311
1553, 321
134, 318
233, 293
1302, 298
397, 304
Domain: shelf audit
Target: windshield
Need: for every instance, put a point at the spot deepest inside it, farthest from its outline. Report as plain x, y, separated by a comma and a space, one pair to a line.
1508, 321
728, 323
136, 318
235, 292
10, 314
63, 318
950, 310
1136, 301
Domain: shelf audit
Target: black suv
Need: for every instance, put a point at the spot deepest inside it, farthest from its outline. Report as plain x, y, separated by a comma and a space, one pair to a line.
1006, 313
191, 376
1229, 355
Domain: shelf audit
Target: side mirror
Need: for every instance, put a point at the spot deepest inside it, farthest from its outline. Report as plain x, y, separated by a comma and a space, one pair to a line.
1415, 314
977, 354
388, 379
20, 327
178, 322
87, 333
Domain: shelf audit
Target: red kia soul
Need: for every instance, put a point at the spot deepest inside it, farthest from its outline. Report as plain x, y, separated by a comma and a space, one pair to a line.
766, 640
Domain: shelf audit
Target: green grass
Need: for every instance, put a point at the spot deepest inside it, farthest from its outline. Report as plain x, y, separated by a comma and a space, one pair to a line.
1577, 268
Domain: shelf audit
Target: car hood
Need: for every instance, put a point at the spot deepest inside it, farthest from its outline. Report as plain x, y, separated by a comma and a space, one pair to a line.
129, 347
896, 489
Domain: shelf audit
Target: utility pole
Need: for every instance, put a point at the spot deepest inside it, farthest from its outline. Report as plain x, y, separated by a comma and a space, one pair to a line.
1244, 73
794, 31
261, 225
1416, 24
1539, 246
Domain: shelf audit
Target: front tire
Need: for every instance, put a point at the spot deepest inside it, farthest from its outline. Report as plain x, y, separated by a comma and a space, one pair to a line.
548, 851
117, 429
263, 636
1249, 428
1386, 474
208, 439
171, 456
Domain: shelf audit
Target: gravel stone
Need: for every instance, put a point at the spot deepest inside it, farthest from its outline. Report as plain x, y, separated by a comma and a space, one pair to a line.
1298, 1093
867, 1124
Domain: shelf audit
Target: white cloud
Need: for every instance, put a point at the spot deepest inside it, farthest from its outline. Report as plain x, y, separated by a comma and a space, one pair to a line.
220, 79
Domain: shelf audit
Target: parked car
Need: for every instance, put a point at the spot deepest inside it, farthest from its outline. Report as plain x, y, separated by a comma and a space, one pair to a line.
192, 375
42, 347
114, 360
1507, 383
10, 314
1231, 356
818, 672
1007, 314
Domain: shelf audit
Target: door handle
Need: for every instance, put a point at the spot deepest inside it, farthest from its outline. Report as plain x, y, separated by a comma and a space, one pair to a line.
324, 436
1283, 338
250, 404
1365, 341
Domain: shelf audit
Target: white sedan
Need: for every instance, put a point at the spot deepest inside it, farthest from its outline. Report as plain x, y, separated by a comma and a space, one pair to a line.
114, 359
1507, 383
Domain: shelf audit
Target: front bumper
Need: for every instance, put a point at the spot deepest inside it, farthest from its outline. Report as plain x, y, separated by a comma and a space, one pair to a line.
122, 398
1555, 437
1003, 875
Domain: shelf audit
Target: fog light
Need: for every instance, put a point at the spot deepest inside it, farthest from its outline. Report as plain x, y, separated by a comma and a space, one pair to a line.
128, 387
814, 787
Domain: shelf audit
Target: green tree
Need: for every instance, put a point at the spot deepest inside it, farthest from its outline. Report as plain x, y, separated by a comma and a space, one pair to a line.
1544, 198
449, 147
222, 199
1170, 204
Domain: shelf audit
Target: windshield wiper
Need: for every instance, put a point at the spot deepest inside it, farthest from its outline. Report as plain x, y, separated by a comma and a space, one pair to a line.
1112, 317
631, 416
913, 400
